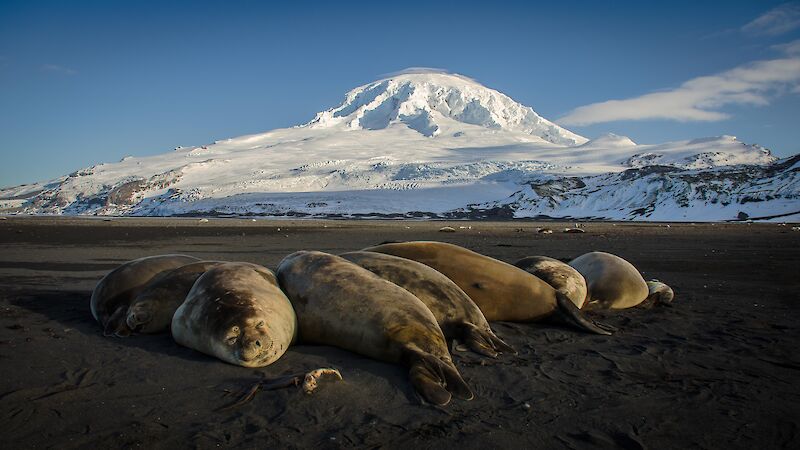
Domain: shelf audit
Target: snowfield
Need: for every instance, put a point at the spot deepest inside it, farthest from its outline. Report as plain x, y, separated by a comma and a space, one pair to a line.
431, 145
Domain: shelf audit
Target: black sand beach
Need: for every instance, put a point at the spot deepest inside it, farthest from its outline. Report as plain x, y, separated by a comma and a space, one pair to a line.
718, 369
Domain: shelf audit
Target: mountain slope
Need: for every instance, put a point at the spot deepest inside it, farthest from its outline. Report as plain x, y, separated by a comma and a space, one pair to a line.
435, 145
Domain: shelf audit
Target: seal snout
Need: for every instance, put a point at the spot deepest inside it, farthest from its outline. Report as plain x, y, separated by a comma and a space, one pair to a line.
660, 292
254, 348
138, 316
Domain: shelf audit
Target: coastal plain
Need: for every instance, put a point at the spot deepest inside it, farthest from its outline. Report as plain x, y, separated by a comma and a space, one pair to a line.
718, 368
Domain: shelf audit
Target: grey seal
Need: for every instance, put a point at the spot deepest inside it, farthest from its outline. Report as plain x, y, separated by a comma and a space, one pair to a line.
458, 316
238, 313
152, 310
558, 274
501, 291
115, 291
341, 304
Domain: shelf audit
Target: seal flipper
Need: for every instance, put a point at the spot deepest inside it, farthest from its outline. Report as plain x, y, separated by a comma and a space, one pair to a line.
435, 380
117, 324
483, 341
570, 314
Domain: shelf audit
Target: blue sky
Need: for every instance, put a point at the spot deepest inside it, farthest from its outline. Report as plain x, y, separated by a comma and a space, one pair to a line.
87, 82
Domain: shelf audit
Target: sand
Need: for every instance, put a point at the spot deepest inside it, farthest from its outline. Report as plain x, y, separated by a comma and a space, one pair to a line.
718, 369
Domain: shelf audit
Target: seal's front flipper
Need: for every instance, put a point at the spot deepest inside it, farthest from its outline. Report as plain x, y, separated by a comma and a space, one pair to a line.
435, 380
428, 385
659, 293
117, 324
569, 313
477, 340
501, 345
484, 341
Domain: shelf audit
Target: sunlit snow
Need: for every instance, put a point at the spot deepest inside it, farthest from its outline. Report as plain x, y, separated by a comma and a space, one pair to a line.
431, 144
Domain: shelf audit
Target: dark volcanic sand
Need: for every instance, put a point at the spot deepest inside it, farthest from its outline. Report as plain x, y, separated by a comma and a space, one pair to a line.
719, 369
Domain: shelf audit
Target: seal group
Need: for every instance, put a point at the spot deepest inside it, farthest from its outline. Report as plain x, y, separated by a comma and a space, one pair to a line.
404, 303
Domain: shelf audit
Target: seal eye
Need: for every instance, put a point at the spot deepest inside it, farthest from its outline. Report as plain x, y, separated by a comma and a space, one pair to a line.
233, 335
260, 324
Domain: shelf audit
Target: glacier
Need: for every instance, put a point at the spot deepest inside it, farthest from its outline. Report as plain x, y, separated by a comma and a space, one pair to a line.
432, 145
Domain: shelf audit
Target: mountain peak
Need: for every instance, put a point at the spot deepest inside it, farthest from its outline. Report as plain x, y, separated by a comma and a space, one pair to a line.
609, 140
431, 101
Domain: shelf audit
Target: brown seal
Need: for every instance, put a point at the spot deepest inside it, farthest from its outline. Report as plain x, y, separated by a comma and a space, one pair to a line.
341, 304
152, 310
238, 313
501, 291
563, 277
114, 293
458, 316
613, 283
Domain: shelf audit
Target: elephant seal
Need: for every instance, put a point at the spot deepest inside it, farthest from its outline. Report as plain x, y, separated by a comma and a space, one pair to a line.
458, 316
501, 291
558, 274
152, 310
115, 291
341, 304
659, 292
613, 283
238, 313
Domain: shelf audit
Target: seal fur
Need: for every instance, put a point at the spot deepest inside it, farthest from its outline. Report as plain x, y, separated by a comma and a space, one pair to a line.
458, 316
238, 313
501, 291
659, 293
341, 304
558, 274
152, 310
115, 291
612, 282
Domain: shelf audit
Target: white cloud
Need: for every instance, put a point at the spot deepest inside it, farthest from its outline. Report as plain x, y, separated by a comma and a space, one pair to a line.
408, 70
424, 70
699, 99
59, 69
790, 48
778, 20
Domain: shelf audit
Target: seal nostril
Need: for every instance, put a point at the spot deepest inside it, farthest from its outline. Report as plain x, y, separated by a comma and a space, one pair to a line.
258, 343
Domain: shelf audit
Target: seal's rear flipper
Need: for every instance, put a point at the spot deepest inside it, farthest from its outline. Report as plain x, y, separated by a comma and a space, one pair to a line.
435, 380
483, 341
570, 314
117, 324
659, 293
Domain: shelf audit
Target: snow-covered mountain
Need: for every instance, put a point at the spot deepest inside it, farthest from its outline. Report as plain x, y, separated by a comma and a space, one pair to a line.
431, 145
433, 104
